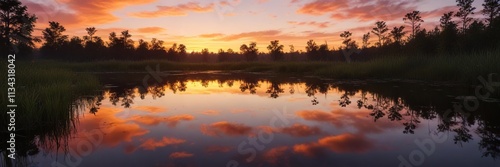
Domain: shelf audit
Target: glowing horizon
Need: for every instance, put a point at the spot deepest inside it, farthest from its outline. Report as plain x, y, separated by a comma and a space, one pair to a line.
224, 24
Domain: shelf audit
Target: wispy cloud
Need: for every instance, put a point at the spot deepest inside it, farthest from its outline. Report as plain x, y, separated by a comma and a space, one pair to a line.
150, 30
177, 10
310, 23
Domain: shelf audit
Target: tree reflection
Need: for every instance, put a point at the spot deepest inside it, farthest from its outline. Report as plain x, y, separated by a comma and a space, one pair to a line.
314, 87
490, 140
177, 85
156, 91
274, 89
344, 99
128, 98
249, 84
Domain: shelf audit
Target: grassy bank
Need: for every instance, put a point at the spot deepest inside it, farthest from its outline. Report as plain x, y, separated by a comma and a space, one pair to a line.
47, 89
442, 68
47, 104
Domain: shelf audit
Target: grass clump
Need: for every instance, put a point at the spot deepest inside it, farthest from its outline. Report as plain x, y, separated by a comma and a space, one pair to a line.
47, 104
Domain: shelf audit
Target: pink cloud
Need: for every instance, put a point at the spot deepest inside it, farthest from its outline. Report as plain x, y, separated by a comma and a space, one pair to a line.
178, 10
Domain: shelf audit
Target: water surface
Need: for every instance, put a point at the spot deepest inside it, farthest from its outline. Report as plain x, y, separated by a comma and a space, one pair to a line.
226, 119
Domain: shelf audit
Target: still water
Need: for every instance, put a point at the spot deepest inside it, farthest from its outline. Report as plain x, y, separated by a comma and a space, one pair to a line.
225, 119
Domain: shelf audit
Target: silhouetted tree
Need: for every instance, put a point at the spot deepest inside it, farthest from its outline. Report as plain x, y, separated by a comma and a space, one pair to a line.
466, 9
323, 52
121, 47
157, 49
380, 30
475, 37
126, 40
491, 10
182, 52
90, 34
222, 56
293, 53
143, 49
312, 50
230, 51
448, 39
172, 52
94, 45
397, 34
366, 40
74, 50
276, 50
347, 41
249, 51
54, 40
16, 28
204, 54
414, 20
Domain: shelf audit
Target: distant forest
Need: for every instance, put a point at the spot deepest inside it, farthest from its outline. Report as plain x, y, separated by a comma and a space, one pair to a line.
457, 33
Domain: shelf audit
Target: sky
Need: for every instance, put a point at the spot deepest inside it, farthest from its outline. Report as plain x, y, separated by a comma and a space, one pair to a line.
223, 24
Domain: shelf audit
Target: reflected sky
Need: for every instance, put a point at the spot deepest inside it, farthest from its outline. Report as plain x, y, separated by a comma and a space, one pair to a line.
276, 122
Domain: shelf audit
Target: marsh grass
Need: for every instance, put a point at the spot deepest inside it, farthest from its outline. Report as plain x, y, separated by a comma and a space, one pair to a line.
47, 99
462, 67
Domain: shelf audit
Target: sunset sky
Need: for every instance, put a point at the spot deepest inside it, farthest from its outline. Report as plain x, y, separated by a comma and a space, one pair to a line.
216, 24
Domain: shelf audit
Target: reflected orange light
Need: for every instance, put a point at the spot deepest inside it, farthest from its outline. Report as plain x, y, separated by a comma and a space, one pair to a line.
152, 144
226, 128
182, 154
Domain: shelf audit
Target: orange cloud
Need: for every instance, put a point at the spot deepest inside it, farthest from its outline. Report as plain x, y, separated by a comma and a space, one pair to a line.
151, 144
363, 10
210, 112
229, 2
213, 35
178, 10
230, 129
311, 23
300, 130
250, 35
182, 154
320, 7
80, 13
150, 30
344, 143
380, 10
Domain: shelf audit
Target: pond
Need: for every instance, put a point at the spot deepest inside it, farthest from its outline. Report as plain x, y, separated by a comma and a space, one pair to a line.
234, 119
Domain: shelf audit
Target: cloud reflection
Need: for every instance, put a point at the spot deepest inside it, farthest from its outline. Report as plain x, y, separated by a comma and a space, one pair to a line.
182, 154
225, 128
171, 121
152, 144
343, 143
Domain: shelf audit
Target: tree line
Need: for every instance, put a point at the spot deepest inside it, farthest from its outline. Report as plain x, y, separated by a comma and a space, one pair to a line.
458, 32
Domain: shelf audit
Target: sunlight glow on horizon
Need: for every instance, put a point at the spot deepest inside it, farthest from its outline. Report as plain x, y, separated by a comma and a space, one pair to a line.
224, 24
